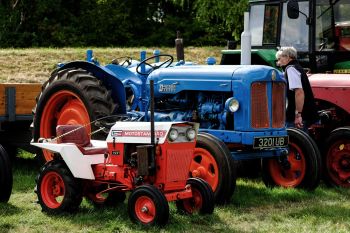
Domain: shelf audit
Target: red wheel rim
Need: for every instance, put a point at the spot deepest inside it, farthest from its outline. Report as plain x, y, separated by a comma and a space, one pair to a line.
52, 190
204, 166
289, 177
64, 107
145, 209
195, 203
338, 163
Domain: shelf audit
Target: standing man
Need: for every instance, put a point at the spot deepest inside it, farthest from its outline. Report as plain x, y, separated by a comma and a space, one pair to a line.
301, 109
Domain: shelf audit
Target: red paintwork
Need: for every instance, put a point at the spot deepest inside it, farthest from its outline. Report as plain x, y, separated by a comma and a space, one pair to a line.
333, 88
52, 189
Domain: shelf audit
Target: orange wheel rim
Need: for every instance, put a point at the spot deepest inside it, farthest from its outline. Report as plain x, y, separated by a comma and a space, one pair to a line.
204, 166
289, 177
52, 190
64, 107
145, 209
338, 163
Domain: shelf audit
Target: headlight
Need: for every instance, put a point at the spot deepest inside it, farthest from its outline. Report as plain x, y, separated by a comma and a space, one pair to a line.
173, 135
190, 134
232, 104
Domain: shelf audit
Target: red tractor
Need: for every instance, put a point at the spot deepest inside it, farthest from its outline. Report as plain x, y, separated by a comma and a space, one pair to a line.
151, 161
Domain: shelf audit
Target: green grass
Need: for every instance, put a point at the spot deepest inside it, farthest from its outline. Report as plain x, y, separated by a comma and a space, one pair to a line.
253, 208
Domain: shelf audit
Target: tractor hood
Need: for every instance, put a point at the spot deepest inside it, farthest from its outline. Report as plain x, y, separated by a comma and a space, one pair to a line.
207, 77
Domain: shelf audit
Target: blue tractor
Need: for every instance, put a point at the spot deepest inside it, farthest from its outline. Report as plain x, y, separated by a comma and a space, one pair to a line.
240, 108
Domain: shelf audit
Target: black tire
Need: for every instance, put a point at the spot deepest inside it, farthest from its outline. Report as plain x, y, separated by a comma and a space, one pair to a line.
74, 89
336, 158
202, 201
147, 198
304, 159
57, 190
6, 178
224, 182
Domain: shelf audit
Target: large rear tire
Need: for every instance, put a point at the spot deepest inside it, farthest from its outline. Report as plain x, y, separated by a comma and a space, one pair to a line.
213, 163
302, 168
70, 96
5, 176
337, 158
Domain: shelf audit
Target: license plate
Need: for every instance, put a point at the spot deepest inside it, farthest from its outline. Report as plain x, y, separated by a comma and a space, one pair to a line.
270, 142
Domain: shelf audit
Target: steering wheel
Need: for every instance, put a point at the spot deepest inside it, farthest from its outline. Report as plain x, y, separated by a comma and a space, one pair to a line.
169, 60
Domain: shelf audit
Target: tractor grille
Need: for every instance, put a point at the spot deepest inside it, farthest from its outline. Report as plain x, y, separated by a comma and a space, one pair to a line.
259, 105
260, 114
278, 105
178, 164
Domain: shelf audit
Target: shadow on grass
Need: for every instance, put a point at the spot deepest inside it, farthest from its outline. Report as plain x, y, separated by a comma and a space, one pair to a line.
7, 209
253, 193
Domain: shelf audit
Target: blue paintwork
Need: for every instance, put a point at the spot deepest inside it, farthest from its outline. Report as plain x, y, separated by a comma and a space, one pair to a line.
185, 91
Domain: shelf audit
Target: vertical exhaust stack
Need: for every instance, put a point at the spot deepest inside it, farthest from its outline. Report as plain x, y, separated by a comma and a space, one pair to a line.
246, 42
179, 45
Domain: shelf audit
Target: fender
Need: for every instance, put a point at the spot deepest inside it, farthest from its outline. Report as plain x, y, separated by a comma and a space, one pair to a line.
111, 78
79, 164
332, 88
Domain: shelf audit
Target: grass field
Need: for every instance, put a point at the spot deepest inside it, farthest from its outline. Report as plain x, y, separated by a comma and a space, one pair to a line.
253, 208
35, 65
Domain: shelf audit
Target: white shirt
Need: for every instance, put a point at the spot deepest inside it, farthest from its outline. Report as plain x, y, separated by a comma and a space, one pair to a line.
294, 78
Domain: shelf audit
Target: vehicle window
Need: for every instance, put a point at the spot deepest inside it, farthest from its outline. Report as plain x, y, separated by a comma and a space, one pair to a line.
270, 24
256, 22
295, 32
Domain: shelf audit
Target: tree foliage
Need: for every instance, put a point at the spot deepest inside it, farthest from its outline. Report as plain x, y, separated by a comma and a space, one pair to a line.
28, 23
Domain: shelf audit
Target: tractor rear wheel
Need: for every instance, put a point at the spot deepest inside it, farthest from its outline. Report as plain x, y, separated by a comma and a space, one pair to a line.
5, 176
58, 191
202, 200
337, 158
70, 96
147, 205
213, 163
300, 169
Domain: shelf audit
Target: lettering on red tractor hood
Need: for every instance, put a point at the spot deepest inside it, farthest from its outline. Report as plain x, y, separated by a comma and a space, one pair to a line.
137, 133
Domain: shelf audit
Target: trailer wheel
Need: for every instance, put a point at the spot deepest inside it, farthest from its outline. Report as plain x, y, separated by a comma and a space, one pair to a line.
57, 190
202, 200
213, 163
337, 158
5, 176
301, 168
148, 206
70, 96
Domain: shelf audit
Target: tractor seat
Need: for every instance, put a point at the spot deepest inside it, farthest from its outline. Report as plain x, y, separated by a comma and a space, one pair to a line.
78, 135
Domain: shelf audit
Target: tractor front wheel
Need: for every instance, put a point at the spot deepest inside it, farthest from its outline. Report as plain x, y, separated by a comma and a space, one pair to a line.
58, 191
213, 163
300, 169
5, 176
148, 206
337, 158
202, 200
